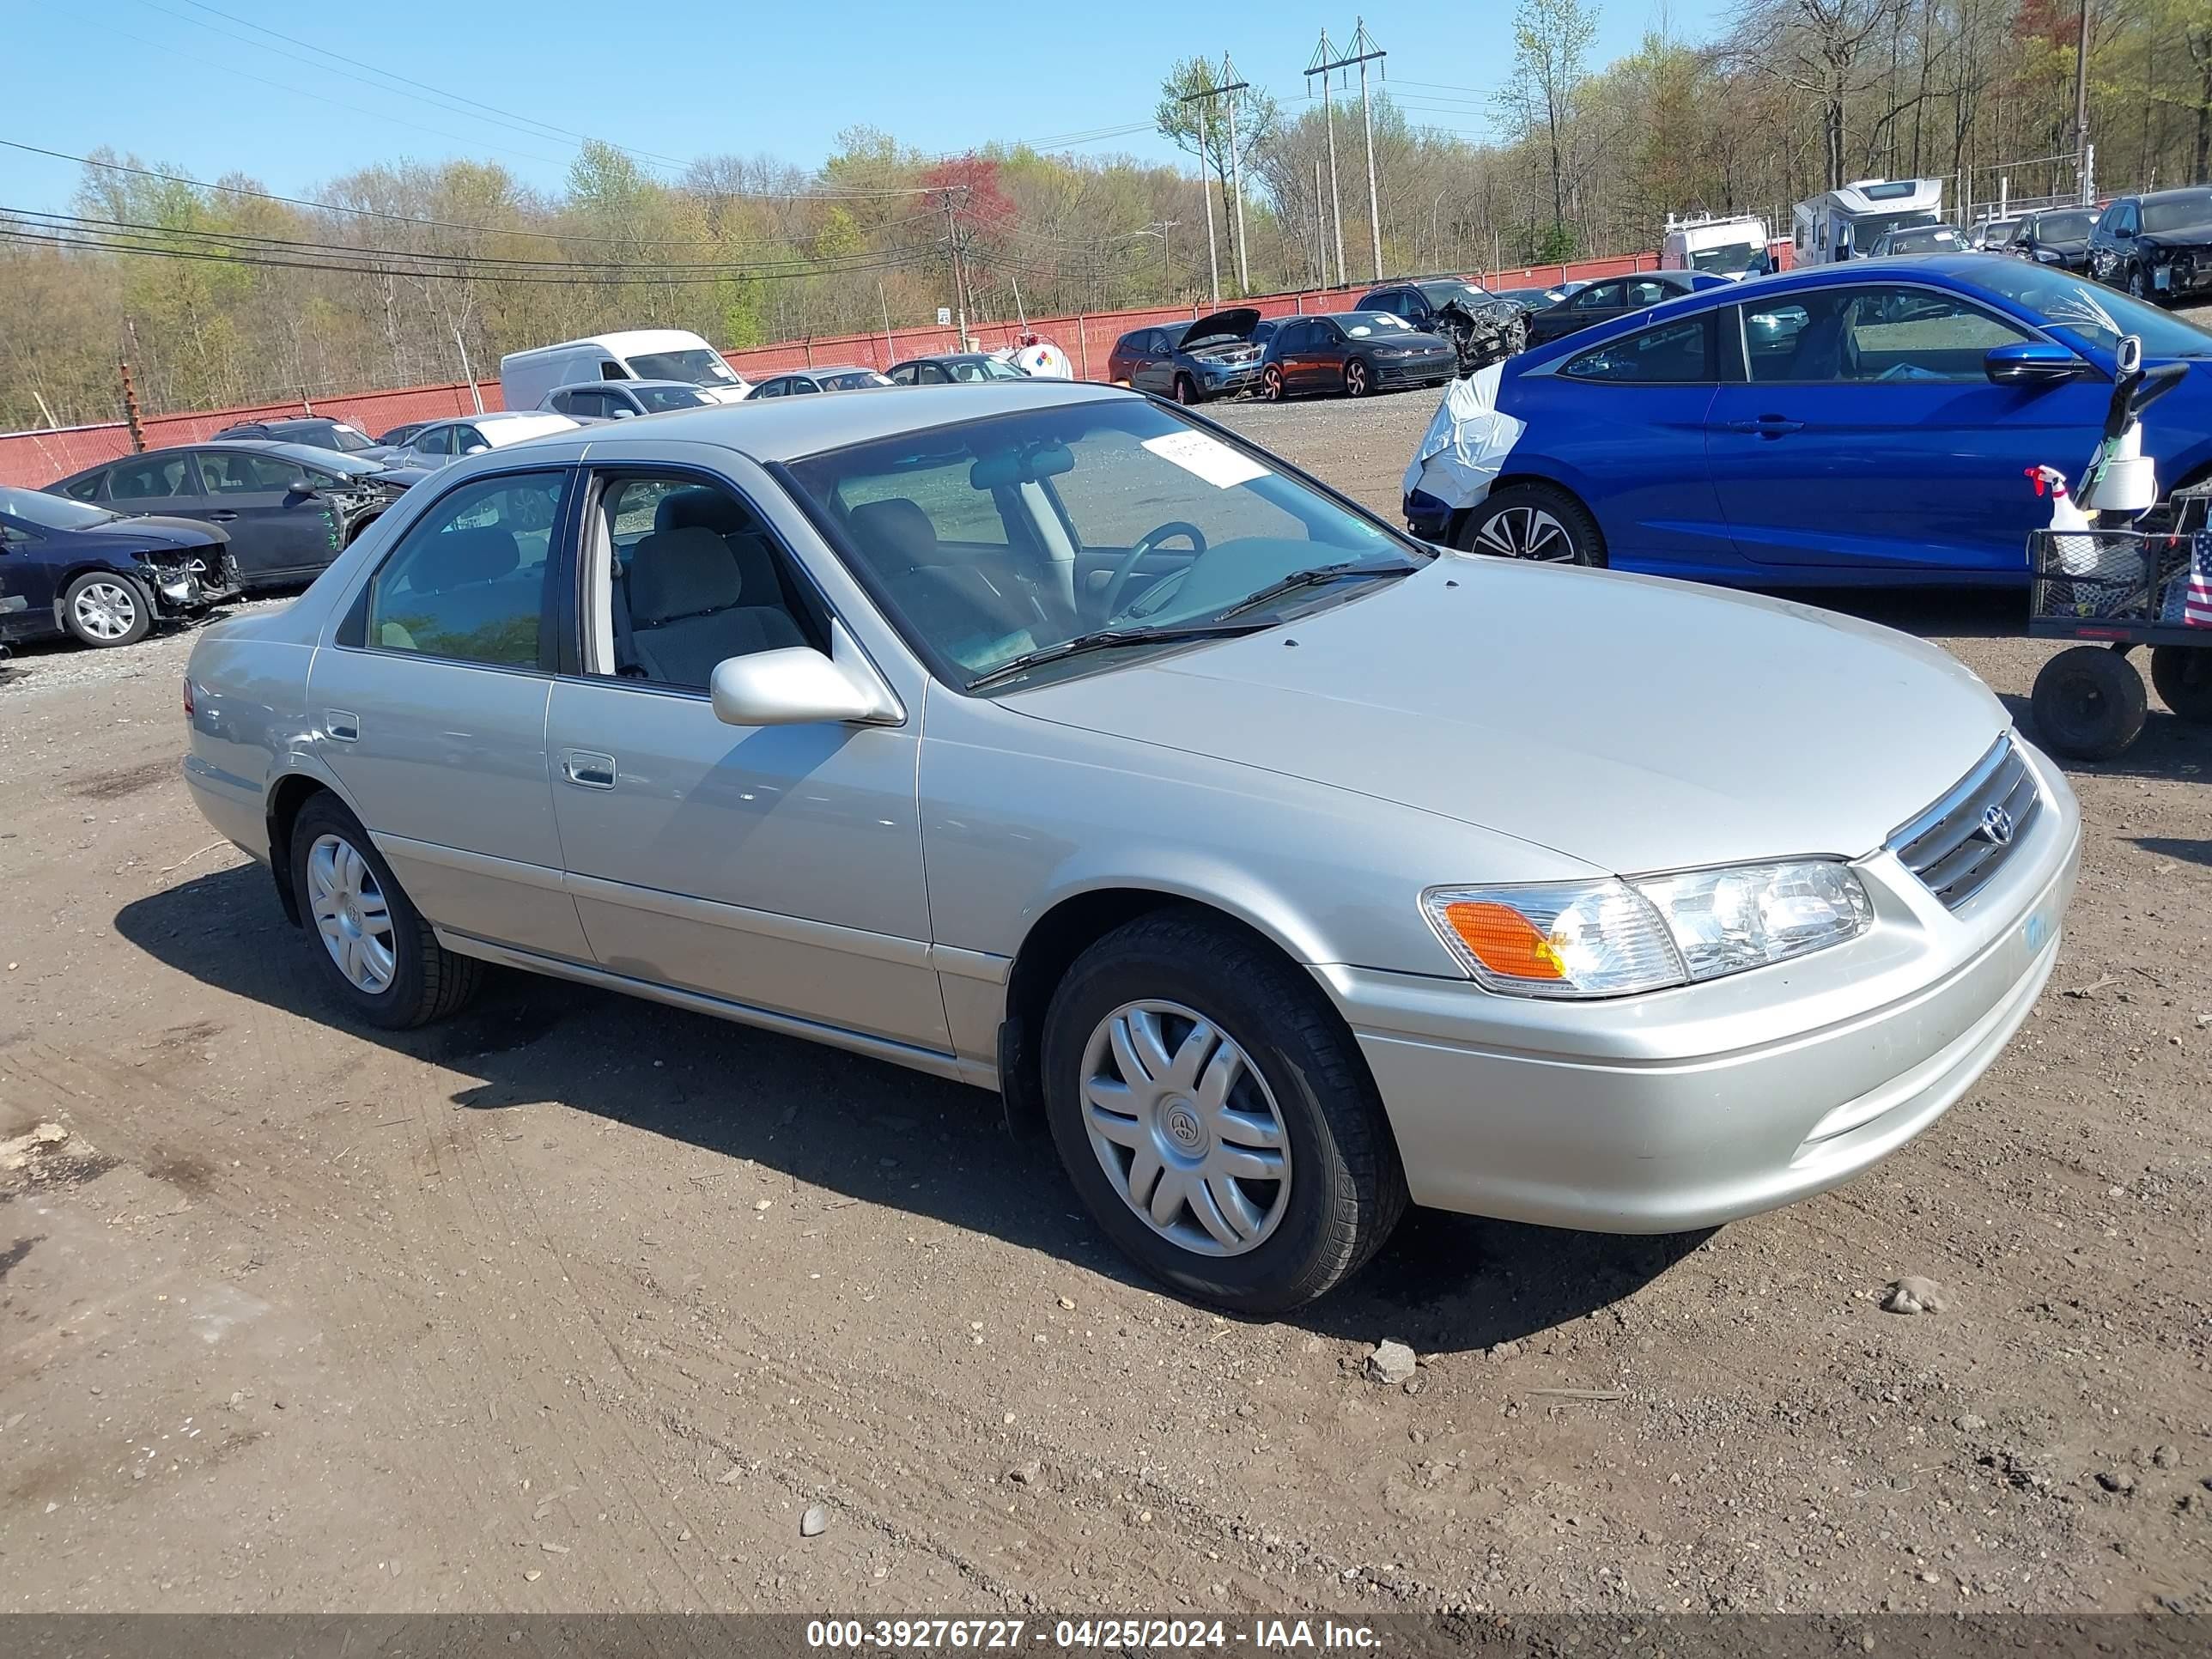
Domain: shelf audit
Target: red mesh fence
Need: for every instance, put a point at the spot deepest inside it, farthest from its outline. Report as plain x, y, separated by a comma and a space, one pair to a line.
38, 457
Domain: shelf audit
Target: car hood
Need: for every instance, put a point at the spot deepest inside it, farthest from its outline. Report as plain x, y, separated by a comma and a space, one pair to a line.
152, 532
1633, 723
1235, 324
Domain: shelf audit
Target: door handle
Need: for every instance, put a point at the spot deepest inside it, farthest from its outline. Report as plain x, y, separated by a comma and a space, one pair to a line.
341, 724
1767, 426
223, 516
588, 769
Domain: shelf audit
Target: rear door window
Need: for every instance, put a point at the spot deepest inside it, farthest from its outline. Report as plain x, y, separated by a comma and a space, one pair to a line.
1679, 353
468, 581
157, 477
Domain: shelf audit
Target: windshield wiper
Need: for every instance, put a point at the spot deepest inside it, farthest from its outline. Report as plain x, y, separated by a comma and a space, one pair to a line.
1314, 578
1105, 639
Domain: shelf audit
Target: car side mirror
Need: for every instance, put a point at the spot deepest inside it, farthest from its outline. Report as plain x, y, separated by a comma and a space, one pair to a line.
300, 485
479, 448
2032, 363
624, 412
798, 685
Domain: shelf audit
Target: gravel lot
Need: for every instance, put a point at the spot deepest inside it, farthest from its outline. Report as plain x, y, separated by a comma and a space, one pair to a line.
580, 1303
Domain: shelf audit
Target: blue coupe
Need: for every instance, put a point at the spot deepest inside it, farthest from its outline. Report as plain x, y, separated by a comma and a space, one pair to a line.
1855, 424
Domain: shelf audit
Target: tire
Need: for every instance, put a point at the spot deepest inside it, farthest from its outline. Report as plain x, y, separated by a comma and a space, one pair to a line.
1186, 390
424, 982
1358, 379
2182, 677
2089, 702
101, 609
1272, 389
2139, 285
1301, 1080
1534, 522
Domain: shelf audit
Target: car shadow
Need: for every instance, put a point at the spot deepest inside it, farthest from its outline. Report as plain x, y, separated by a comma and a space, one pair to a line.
2190, 852
1967, 613
864, 1129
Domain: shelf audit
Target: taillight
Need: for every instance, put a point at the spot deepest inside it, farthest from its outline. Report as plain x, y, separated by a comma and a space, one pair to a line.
188, 697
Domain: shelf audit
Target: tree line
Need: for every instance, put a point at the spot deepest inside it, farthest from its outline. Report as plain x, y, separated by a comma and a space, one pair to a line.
225, 292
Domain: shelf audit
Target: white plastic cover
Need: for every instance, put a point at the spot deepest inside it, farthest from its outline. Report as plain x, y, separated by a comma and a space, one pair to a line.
1466, 443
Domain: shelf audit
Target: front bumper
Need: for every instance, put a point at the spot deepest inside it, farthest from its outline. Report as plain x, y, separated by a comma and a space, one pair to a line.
1392, 374
2188, 270
1228, 382
1687, 1108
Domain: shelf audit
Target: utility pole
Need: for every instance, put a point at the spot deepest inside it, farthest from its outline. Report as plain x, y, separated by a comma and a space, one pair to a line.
960, 288
1363, 50
1320, 65
131, 406
1230, 87
1212, 256
2081, 109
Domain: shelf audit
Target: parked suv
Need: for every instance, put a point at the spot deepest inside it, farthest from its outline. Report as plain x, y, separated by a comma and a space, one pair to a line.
1216, 356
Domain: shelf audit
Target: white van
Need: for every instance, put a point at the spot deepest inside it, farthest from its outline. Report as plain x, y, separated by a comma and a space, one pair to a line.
1733, 247
636, 353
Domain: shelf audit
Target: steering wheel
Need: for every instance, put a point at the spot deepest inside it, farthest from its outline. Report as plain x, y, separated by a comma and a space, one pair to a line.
1145, 544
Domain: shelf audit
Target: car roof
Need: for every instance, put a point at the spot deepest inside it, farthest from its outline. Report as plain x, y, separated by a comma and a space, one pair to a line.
780, 429
942, 357
579, 385
836, 368
2179, 193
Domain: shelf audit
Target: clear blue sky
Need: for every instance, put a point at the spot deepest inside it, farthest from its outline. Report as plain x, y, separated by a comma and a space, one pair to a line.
180, 83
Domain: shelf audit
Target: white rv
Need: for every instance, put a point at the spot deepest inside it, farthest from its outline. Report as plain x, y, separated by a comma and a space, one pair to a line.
1735, 248
1842, 224
636, 353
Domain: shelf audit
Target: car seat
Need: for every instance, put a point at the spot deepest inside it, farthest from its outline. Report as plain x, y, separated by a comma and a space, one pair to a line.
686, 608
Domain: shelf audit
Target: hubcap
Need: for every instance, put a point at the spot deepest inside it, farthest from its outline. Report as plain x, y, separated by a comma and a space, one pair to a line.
106, 610
1526, 533
350, 912
1271, 383
1186, 1128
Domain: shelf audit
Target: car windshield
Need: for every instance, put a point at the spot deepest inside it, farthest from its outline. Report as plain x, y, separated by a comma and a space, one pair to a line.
306, 455
1923, 241
698, 366
658, 398
1440, 293
1359, 322
997, 538
343, 439
1729, 261
2171, 213
2090, 311
50, 511
851, 380
2065, 227
1867, 230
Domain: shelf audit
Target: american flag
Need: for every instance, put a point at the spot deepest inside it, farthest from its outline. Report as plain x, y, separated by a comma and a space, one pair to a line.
2197, 602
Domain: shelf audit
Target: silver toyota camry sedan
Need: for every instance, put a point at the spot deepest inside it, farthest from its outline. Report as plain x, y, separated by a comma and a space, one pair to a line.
1045, 737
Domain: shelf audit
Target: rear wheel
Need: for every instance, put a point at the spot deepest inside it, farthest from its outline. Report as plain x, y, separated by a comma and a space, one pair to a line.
2182, 675
375, 946
1358, 382
2089, 702
1215, 1115
1533, 522
100, 608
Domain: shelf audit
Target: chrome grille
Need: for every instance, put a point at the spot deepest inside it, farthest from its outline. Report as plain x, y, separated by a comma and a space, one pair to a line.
1959, 844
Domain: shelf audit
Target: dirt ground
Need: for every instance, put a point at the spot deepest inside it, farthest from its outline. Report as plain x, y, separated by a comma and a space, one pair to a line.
580, 1303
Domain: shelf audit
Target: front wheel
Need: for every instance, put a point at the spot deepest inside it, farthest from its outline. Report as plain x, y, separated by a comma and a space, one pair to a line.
1215, 1115
102, 609
1271, 384
1358, 383
2182, 675
375, 946
1186, 389
1530, 521
2139, 284
2089, 702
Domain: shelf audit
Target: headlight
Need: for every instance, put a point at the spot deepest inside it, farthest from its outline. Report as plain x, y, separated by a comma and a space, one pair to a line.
1614, 938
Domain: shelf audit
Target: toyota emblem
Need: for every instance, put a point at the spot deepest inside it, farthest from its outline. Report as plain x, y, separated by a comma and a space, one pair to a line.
1996, 826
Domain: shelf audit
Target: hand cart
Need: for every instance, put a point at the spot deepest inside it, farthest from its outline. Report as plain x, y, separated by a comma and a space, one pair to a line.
2121, 589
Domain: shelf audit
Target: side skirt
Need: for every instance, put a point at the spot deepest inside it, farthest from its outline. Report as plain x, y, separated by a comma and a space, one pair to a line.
978, 1074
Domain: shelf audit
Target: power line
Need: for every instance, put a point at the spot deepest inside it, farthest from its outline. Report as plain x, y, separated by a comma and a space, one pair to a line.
730, 253
137, 245
492, 113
